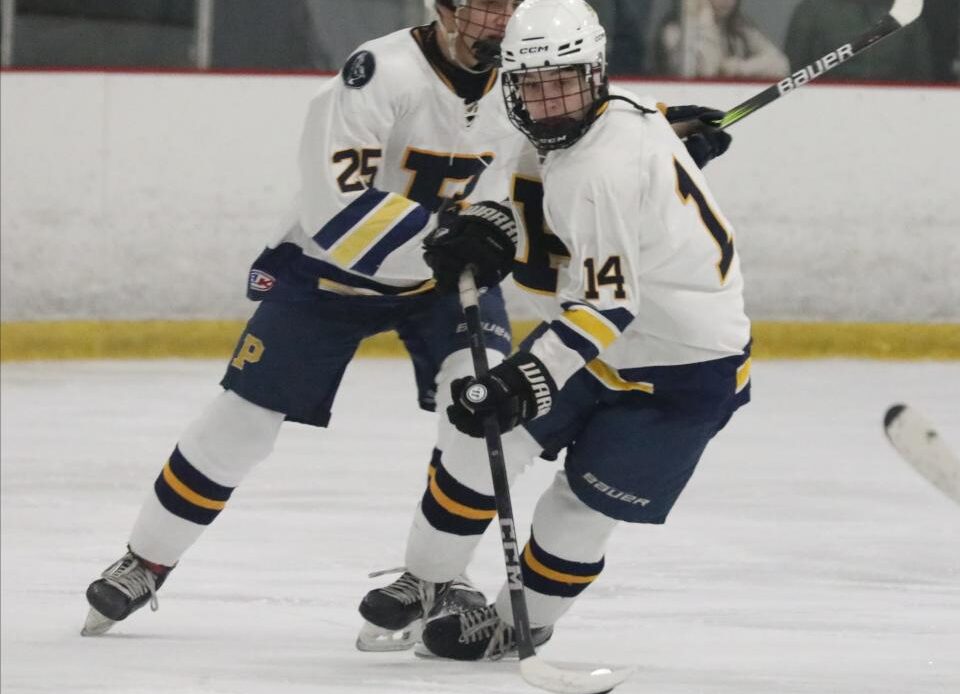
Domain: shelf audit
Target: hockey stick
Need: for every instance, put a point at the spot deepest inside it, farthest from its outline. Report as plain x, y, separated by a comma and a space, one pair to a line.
534, 670
921, 446
901, 14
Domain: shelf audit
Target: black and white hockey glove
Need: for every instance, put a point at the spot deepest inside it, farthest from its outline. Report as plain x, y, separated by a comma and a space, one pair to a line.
516, 391
484, 235
709, 142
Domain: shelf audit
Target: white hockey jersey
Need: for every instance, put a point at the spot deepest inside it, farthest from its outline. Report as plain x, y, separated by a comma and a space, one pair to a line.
651, 276
384, 143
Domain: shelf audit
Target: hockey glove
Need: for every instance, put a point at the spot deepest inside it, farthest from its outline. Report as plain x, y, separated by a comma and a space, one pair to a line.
708, 142
516, 391
484, 236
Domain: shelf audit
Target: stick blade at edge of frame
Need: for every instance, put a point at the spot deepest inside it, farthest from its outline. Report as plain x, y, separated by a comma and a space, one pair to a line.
920, 445
539, 673
906, 11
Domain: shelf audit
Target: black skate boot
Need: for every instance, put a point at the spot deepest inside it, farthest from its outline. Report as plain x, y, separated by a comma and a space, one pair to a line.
395, 613
477, 634
123, 588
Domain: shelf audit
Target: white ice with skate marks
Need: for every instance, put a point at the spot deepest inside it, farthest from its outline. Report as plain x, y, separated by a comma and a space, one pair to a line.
805, 556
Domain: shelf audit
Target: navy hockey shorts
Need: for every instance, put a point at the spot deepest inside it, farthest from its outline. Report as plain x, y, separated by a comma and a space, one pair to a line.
630, 453
292, 355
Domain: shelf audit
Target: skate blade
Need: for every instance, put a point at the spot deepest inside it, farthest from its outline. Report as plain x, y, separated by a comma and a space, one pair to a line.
374, 639
422, 651
96, 624
425, 653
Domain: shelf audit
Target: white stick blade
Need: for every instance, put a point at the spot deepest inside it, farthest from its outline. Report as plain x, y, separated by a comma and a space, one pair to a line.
545, 676
906, 11
919, 444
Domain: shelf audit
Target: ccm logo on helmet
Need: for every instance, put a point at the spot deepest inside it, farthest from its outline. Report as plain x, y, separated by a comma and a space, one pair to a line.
533, 49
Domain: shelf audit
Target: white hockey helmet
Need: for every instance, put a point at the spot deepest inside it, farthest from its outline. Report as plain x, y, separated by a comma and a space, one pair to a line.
542, 39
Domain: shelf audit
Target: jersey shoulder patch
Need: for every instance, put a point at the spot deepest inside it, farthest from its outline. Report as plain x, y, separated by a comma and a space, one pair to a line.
359, 69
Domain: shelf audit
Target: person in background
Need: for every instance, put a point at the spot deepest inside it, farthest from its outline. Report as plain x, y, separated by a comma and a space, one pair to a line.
725, 43
628, 20
820, 26
941, 19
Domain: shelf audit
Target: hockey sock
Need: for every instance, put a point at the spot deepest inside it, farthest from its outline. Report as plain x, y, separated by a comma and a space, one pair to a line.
213, 456
563, 556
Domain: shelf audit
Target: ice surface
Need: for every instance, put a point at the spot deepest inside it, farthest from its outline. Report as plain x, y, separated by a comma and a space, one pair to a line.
805, 556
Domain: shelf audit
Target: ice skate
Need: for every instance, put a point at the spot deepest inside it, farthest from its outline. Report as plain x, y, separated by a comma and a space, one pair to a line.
395, 613
476, 634
123, 588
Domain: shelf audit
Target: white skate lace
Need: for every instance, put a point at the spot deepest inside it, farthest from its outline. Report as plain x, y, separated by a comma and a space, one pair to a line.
409, 589
134, 580
477, 625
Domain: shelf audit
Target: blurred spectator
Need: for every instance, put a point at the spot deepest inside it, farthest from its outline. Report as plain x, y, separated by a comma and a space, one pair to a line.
942, 21
339, 26
820, 26
256, 35
160, 11
723, 42
104, 33
626, 22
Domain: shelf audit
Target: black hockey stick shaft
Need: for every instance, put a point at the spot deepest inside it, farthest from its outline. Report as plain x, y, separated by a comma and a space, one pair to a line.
498, 471
901, 14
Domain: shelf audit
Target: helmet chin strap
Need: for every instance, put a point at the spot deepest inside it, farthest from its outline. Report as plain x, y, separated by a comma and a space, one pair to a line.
450, 37
606, 98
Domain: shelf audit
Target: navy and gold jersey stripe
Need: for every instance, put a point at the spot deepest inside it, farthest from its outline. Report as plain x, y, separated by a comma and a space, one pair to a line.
329, 277
406, 228
587, 330
452, 507
609, 377
299, 276
620, 317
348, 218
370, 228
551, 575
743, 374
587, 350
187, 493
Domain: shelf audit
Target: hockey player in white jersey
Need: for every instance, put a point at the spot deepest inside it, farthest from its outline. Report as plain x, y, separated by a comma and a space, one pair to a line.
643, 355
413, 120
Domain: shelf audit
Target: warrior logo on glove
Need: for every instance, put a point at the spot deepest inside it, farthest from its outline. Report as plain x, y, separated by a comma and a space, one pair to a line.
515, 391
484, 237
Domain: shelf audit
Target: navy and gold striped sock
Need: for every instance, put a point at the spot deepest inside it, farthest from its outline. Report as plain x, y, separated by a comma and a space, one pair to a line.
187, 493
549, 574
453, 508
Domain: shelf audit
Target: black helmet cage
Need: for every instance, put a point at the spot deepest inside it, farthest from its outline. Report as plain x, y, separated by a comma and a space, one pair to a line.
486, 51
556, 133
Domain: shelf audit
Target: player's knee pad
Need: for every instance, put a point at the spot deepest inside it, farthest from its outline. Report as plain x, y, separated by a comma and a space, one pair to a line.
230, 438
466, 457
563, 525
